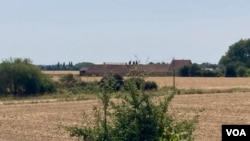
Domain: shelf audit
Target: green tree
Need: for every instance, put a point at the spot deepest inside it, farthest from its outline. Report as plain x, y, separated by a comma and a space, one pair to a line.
242, 72
58, 66
209, 73
230, 71
237, 55
184, 71
195, 70
19, 76
63, 66
190, 70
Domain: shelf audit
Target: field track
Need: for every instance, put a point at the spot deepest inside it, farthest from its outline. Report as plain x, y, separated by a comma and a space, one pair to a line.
42, 121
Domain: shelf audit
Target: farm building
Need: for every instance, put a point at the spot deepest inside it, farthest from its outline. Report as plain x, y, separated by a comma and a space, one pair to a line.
101, 69
124, 69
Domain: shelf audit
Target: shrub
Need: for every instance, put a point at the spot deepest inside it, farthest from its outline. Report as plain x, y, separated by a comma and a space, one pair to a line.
92, 87
137, 81
119, 81
47, 85
136, 117
72, 84
20, 78
69, 80
209, 73
112, 82
140, 84
150, 85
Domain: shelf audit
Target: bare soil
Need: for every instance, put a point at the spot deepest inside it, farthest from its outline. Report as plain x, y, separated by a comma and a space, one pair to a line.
44, 121
41, 121
213, 110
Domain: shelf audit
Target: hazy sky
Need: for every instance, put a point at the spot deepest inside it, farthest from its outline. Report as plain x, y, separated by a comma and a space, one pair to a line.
48, 31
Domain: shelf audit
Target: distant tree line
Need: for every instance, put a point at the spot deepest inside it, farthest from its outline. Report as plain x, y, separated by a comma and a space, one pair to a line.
200, 70
64, 66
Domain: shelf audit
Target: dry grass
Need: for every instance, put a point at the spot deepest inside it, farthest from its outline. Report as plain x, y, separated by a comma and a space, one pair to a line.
60, 72
90, 79
41, 121
203, 82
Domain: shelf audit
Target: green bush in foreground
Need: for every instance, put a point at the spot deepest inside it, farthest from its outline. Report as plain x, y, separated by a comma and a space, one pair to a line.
134, 118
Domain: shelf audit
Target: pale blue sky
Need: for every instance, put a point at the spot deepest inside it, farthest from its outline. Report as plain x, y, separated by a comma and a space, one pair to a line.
48, 31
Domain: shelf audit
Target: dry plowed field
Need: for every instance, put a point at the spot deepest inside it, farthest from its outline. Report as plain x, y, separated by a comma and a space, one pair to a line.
42, 121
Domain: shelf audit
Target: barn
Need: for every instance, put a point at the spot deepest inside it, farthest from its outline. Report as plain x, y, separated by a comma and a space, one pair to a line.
124, 69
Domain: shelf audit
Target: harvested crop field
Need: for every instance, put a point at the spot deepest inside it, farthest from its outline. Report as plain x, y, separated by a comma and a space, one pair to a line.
213, 110
181, 82
194, 82
203, 82
42, 121
60, 72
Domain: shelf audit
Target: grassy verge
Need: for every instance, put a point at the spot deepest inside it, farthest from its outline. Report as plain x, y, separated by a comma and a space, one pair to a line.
67, 96
46, 98
212, 91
